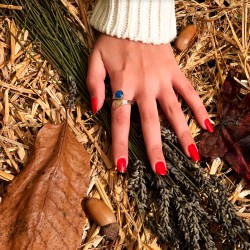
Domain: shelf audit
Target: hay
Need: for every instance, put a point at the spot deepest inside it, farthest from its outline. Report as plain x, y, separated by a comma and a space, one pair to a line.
31, 96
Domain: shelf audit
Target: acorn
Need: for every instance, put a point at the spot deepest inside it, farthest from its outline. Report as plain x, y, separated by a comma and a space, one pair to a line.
103, 216
186, 37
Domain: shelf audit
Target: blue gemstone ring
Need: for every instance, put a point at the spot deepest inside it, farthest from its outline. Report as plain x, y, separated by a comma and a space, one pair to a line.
117, 100
118, 95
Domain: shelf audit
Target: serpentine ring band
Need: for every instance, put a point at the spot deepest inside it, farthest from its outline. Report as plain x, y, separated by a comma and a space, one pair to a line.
117, 100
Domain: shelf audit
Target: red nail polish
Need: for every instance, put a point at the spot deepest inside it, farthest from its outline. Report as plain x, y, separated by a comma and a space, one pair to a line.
160, 168
94, 105
194, 154
121, 165
209, 126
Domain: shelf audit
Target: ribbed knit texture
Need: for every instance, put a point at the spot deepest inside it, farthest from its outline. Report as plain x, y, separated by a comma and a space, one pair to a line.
147, 21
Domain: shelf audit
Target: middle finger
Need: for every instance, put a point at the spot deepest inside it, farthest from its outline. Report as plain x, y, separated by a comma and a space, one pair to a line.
151, 133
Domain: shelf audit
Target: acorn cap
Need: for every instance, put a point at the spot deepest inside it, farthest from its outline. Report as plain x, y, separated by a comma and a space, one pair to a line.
111, 230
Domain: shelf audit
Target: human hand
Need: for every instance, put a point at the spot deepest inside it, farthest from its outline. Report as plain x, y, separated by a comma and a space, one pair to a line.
146, 74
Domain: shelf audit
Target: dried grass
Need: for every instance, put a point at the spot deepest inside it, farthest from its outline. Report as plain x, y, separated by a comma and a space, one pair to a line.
31, 96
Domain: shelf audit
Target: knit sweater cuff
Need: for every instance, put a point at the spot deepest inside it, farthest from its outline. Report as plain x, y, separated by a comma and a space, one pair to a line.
147, 21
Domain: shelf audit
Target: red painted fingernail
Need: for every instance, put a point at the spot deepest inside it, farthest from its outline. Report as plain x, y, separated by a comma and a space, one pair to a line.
209, 126
94, 105
160, 168
121, 165
194, 154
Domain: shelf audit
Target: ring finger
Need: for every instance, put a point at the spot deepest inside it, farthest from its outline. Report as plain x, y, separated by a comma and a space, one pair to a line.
120, 123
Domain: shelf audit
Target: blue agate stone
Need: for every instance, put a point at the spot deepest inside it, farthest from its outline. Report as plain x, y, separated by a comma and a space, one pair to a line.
118, 94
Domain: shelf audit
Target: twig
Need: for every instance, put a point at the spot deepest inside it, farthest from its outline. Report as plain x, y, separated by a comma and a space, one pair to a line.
10, 7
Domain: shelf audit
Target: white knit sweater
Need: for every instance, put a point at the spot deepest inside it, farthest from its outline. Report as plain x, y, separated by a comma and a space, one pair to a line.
147, 21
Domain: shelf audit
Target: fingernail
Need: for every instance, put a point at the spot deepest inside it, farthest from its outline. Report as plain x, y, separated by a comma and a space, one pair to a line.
194, 154
209, 126
121, 165
94, 105
160, 168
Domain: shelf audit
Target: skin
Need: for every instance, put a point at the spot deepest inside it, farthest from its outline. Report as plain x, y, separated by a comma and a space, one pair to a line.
147, 74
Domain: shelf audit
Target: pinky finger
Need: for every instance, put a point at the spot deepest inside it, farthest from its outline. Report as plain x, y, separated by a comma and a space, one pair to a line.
187, 91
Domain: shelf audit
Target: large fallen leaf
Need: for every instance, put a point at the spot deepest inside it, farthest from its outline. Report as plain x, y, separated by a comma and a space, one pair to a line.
231, 138
42, 208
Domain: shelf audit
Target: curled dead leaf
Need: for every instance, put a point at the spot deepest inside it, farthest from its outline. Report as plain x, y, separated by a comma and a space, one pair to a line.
42, 209
231, 138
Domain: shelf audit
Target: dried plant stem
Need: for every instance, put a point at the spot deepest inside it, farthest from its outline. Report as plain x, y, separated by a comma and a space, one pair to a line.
10, 7
85, 23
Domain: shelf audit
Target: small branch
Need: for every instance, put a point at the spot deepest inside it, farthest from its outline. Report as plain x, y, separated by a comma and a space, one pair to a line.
10, 7
84, 20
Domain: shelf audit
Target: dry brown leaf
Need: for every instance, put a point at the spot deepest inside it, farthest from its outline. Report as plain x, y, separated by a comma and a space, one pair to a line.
42, 209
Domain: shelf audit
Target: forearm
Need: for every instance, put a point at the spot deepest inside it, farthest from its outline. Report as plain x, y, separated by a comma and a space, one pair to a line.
147, 21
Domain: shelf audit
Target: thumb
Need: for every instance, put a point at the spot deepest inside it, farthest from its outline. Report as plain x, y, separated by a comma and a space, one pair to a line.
95, 81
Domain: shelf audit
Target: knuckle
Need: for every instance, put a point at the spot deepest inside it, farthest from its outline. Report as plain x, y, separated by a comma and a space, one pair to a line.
120, 146
190, 93
150, 116
156, 150
121, 118
185, 135
201, 107
200, 111
189, 89
90, 81
173, 108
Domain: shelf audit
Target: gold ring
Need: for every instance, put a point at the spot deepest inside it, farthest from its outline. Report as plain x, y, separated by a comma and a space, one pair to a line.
117, 103
117, 100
